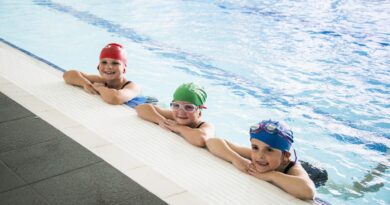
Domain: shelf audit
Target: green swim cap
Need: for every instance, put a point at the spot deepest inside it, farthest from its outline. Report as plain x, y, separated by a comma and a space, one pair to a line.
190, 92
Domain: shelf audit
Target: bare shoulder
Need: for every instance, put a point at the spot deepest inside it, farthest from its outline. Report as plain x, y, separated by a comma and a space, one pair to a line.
207, 125
132, 86
297, 170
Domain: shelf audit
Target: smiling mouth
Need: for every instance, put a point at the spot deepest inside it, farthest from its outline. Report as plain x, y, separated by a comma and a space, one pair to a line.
109, 72
262, 164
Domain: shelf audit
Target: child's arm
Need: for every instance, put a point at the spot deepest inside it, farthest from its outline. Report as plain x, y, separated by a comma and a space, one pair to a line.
222, 149
77, 78
195, 136
242, 151
117, 97
153, 114
296, 182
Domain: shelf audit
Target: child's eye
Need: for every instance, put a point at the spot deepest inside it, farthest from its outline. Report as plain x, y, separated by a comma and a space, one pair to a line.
104, 62
269, 149
255, 148
115, 63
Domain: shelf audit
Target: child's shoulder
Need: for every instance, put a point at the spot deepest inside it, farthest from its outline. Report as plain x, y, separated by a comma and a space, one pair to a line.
295, 169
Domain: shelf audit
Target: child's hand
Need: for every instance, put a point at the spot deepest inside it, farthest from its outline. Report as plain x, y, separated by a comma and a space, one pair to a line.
98, 85
242, 164
171, 125
266, 176
163, 125
90, 89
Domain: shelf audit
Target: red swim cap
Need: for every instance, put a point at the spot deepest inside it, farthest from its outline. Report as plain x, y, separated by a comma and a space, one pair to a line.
114, 51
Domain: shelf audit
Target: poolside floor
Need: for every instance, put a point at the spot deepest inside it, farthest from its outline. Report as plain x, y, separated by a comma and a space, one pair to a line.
41, 165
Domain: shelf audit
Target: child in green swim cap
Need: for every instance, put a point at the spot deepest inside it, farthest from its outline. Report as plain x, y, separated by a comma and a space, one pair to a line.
184, 117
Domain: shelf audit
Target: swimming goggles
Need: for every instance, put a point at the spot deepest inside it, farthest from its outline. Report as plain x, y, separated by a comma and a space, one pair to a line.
186, 107
273, 128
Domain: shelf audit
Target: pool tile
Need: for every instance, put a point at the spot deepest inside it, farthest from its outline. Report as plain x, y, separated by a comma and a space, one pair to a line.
184, 198
154, 182
57, 119
8, 179
118, 158
25, 132
22, 196
296, 201
9, 110
32, 103
94, 184
12, 90
85, 137
47, 159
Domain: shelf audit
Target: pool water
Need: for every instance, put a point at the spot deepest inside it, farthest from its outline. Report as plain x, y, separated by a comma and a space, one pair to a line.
321, 66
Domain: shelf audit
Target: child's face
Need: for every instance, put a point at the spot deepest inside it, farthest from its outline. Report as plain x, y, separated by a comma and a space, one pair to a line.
183, 117
111, 69
266, 158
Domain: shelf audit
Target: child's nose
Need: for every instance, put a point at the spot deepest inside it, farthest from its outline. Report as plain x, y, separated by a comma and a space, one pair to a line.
260, 155
181, 111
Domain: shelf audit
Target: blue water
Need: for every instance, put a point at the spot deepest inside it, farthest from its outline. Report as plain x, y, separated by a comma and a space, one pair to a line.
321, 66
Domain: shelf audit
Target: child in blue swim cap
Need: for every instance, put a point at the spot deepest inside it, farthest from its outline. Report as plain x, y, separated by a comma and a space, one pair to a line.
268, 159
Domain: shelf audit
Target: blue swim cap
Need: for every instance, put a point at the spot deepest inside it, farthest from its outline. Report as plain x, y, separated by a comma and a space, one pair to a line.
273, 133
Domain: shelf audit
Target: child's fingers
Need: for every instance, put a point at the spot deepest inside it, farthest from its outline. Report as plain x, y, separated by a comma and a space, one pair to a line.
90, 89
93, 91
251, 166
164, 126
170, 122
95, 84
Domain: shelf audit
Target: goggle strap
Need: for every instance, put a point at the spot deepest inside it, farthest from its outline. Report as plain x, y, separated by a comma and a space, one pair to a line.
296, 158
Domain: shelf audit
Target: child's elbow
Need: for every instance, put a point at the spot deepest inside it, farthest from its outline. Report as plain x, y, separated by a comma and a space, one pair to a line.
200, 142
67, 75
211, 142
308, 193
114, 100
140, 109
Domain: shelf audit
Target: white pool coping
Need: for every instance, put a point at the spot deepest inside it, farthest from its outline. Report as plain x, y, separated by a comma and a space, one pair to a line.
162, 162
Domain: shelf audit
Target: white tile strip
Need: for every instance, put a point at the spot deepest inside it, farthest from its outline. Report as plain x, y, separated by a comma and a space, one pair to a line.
164, 163
154, 182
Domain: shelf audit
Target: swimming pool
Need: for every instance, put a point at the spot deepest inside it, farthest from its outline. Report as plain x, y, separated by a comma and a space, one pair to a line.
321, 67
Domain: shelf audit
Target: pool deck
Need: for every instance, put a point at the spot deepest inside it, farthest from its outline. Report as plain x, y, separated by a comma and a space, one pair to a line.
68, 147
40, 165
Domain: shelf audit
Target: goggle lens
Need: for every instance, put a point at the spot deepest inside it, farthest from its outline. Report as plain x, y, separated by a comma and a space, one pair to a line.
271, 128
185, 107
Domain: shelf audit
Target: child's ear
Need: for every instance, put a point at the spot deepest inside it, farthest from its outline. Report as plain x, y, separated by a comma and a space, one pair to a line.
124, 70
98, 67
286, 157
287, 154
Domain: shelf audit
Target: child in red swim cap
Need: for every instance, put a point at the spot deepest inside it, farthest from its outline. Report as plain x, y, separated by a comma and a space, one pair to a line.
112, 84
